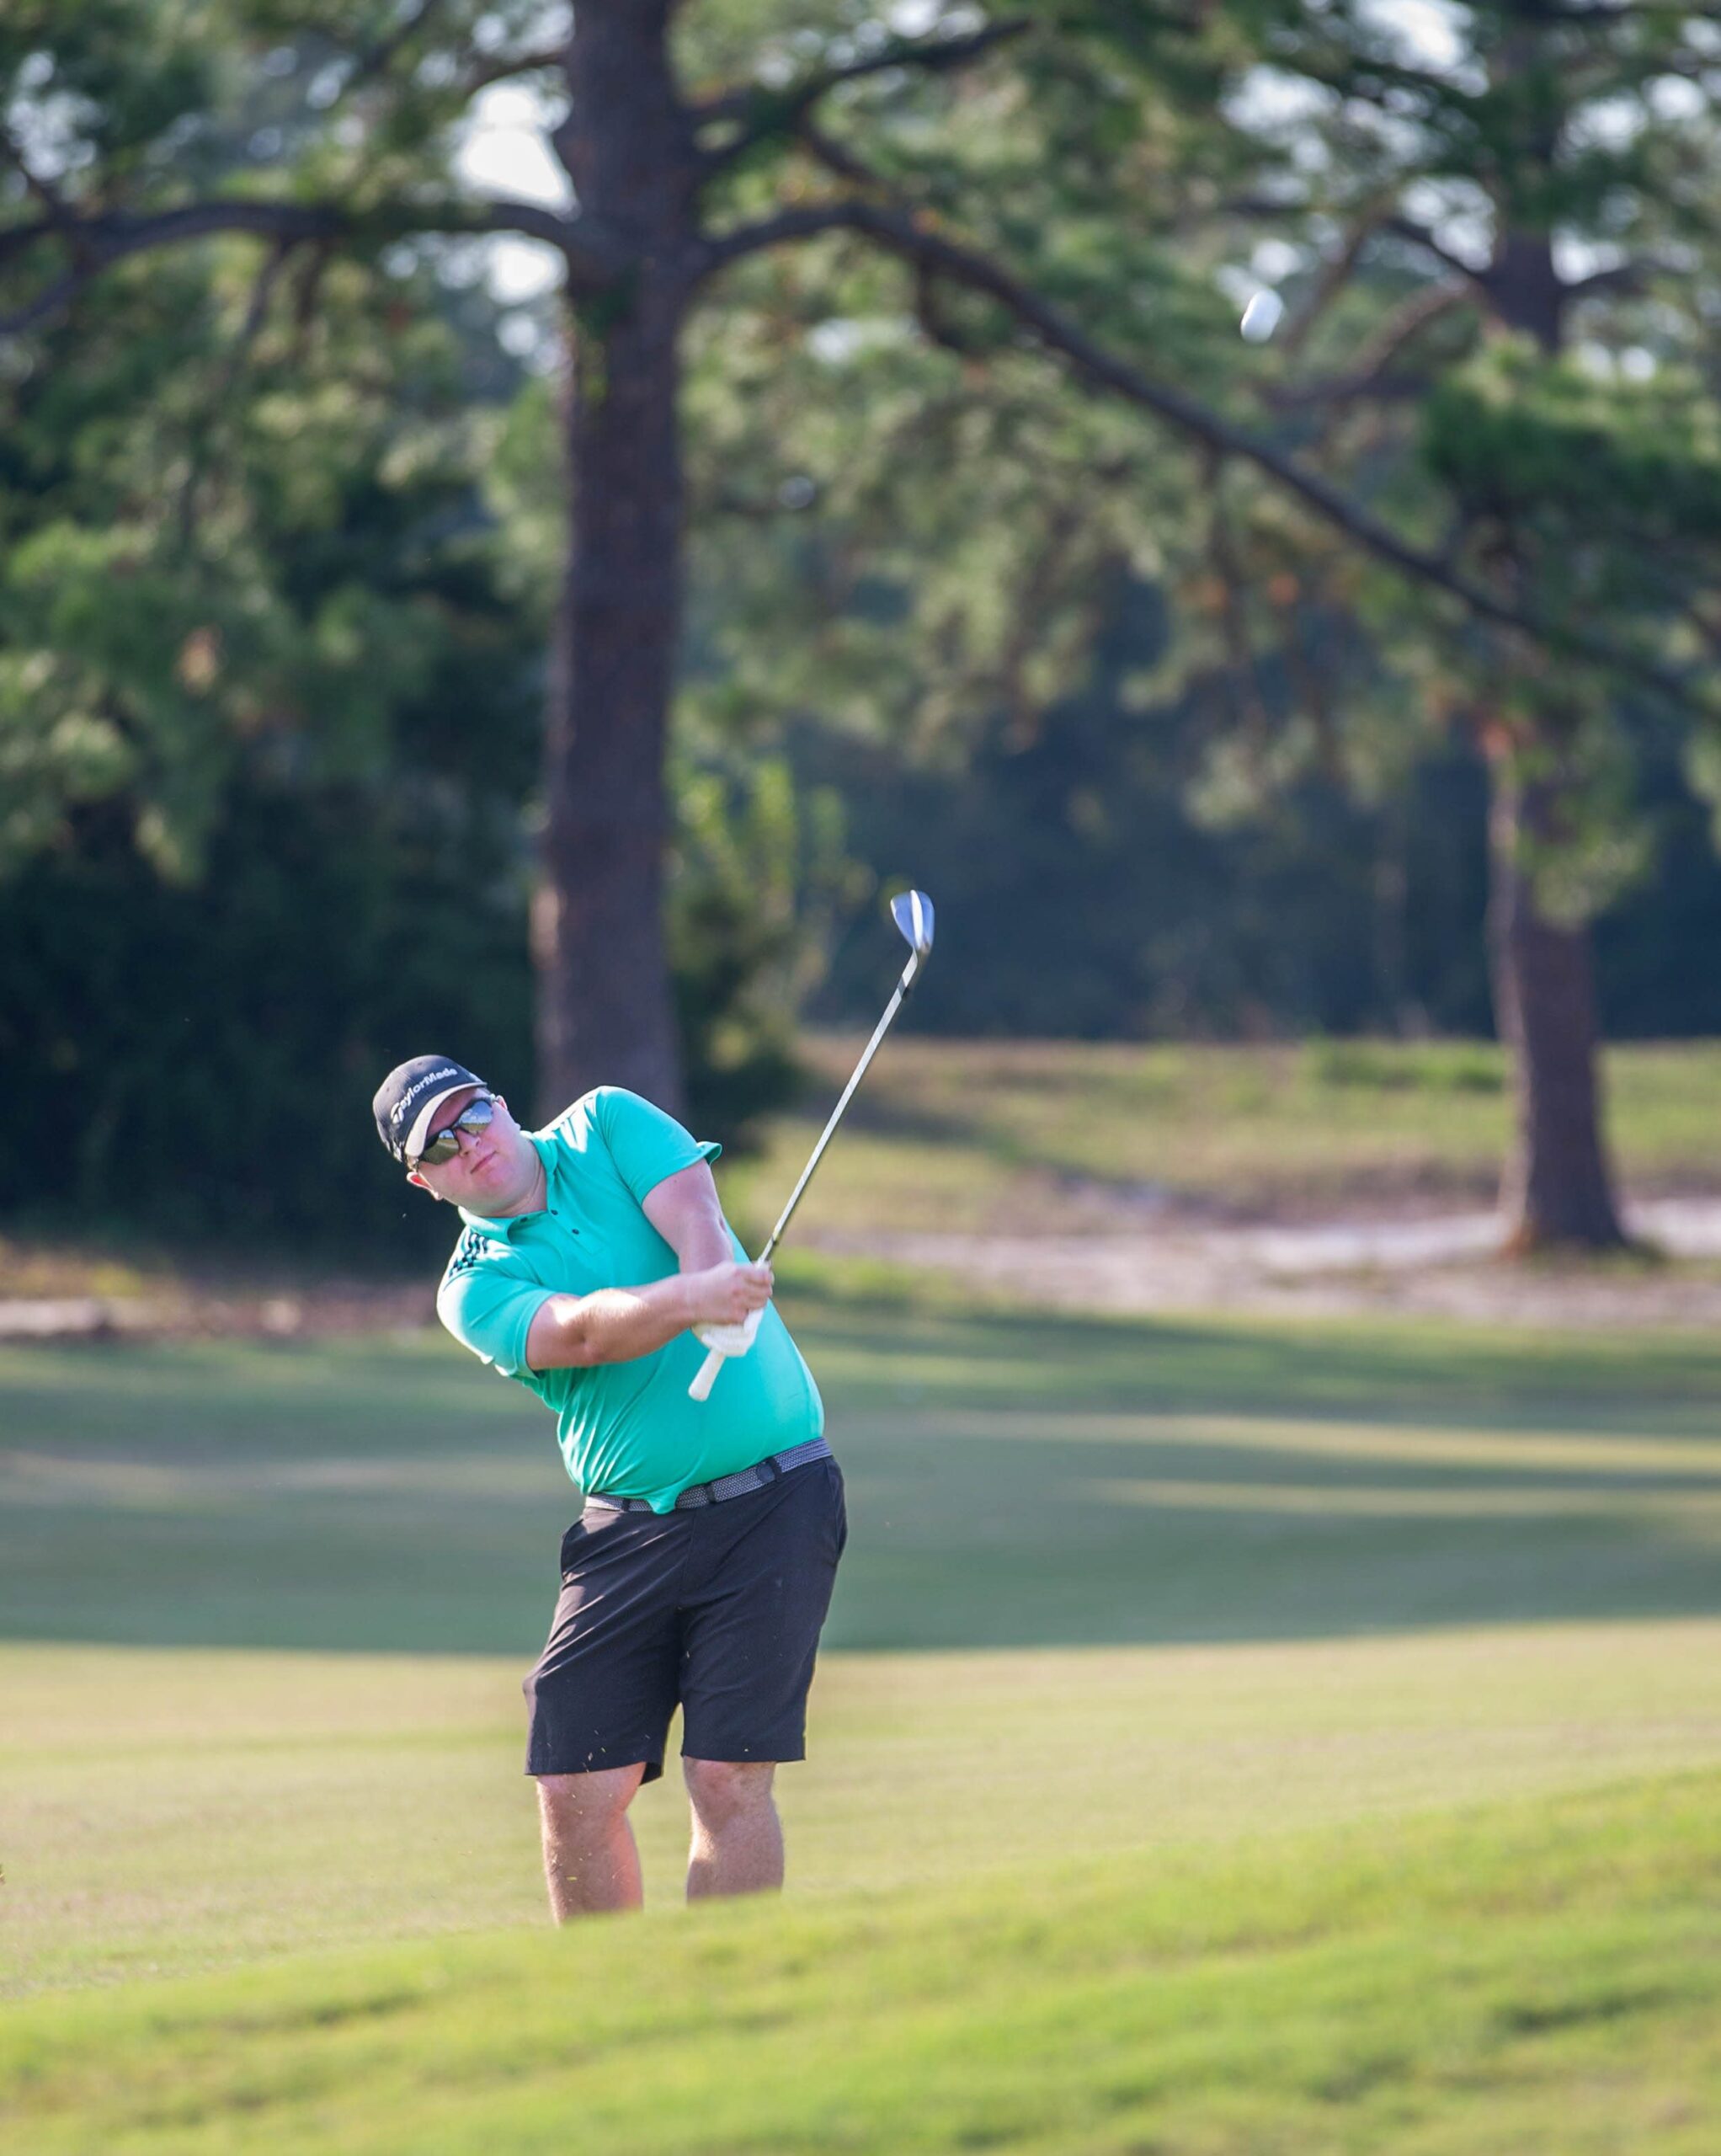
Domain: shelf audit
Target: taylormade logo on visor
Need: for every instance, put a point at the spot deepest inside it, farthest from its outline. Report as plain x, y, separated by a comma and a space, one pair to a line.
404, 1106
409, 1094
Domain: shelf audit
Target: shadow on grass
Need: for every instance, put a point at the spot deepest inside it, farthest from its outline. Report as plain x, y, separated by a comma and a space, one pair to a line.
1013, 1482
965, 1132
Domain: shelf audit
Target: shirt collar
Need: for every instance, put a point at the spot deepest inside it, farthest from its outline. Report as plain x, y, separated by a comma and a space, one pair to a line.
502, 1229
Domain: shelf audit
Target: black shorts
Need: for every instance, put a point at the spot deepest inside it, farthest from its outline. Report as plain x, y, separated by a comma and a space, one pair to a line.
716, 1609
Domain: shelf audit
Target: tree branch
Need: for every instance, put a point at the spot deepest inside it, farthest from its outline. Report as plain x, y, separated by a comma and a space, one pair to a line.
1625, 277
1334, 277
1369, 376
504, 66
46, 195
916, 240
98, 242
48, 302
759, 111
1241, 683
811, 221
838, 159
1372, 76
1609, 11
227, 375
113, 233
256, 313
110, 238
375, 58
1419, 235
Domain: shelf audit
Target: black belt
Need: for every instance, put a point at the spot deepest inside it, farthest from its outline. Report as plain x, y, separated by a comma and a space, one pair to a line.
725, 1486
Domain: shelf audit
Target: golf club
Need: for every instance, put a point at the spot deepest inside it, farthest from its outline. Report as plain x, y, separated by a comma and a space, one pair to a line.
912, 912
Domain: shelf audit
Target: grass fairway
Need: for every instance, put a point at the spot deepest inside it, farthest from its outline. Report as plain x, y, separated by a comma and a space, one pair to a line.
1539, 1977
1015, 1481
172, 1810
1169, 1658
1110, 1587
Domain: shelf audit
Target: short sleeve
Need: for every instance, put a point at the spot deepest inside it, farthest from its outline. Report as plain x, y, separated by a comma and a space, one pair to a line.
645, 1143
490, 1312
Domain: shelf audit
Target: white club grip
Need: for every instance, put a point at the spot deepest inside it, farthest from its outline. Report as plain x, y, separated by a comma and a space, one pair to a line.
701, 1386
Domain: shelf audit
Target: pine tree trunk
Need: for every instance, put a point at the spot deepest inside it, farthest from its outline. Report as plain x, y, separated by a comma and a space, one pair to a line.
603, 1006
604, 1012
1557, 1190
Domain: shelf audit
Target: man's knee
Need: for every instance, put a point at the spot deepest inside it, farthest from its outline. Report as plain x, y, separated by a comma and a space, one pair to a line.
722, 1789
588, 1804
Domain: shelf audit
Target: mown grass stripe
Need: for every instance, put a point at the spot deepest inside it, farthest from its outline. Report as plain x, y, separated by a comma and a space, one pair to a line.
1409, 1987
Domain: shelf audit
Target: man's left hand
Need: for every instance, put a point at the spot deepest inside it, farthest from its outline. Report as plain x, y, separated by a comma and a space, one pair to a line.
729, 1339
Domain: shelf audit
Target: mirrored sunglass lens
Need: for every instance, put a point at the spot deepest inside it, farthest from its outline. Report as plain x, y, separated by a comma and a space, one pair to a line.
445, 1144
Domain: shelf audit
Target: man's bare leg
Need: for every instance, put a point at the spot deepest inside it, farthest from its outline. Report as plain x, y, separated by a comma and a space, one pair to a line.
590, 1860
738, 1838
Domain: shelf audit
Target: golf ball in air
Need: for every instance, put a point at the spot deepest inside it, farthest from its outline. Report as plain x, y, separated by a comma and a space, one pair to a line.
1261, 317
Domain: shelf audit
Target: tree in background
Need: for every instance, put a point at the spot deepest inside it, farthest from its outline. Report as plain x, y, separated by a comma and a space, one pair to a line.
1492, 387
831, 129
1504, 330
268, 710
674, 184
120, 146
270, 684
269, 673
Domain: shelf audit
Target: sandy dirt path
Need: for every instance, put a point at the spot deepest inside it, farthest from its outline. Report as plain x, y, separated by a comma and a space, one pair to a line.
1437, 1264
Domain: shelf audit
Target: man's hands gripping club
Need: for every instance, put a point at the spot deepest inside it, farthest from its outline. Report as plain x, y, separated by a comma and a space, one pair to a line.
738, 1294
735, 1336
713, 1289
727, 1296
731, 1296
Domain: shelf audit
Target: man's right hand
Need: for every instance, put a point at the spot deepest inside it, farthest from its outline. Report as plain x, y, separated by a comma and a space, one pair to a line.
728, 1294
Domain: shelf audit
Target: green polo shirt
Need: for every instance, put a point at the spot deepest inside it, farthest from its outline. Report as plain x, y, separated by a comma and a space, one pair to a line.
626, 1429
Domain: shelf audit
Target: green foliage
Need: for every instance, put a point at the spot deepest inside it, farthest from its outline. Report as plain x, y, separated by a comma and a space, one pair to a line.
269, 534
202, 1056
226, 558
756, 874
935, 530
274, 588
268, 715
904, 523
1079, 897
1519, 435
1495, 232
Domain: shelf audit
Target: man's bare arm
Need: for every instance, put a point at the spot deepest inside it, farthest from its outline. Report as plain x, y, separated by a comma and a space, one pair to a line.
616, 1325
686, 1211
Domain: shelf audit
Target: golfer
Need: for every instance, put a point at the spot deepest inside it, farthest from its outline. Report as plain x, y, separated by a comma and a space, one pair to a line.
700, 1571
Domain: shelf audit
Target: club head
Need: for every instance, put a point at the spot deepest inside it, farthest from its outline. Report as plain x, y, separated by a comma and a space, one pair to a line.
912, 912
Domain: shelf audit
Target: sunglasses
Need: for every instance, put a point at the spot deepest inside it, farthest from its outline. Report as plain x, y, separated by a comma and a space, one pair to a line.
444, 1146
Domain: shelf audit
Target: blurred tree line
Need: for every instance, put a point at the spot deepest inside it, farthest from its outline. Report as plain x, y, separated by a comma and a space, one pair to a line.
1226, 724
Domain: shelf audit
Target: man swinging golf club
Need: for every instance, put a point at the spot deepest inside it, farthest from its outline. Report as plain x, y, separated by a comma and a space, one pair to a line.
596, 1267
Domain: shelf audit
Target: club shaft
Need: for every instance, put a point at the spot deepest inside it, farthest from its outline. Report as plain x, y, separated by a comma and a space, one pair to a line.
867, 1053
